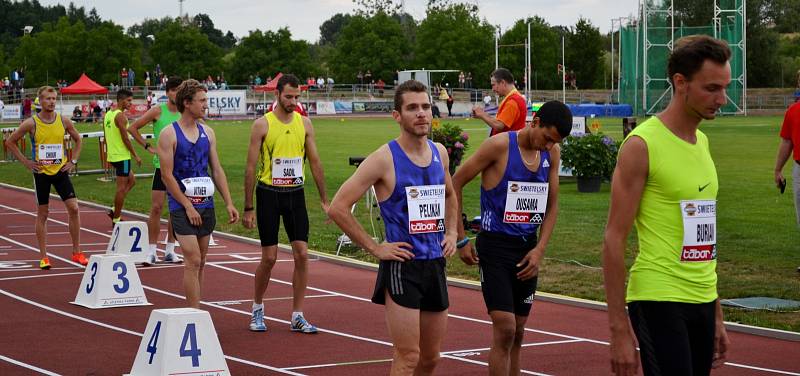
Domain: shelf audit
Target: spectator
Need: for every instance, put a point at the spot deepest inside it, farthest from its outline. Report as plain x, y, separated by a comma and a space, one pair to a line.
123, 76
450, 101
321, 83
147, 78
380, 86
469, 80
461, 79
131, 77
360, 77
97, 113
330, 84
77, 114
368, 80
158, 70
257, 80
573, 79
435, 110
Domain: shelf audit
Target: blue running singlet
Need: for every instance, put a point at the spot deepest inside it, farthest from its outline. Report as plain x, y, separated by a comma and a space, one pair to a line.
415, 211
190, 169
516, 206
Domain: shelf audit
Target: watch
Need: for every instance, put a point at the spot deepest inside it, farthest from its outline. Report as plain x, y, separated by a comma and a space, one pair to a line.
74, 161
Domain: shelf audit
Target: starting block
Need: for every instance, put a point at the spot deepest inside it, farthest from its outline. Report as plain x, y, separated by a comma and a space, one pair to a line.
129, 238
180, 341
110, 281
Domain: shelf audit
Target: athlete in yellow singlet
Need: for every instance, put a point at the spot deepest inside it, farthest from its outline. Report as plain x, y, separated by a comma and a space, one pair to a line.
280, 142
666, 183
50, 167
120, 151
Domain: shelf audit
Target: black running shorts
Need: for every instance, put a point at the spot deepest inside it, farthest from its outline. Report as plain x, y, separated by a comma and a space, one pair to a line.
415, 284
158, 184
674, 338
182, 226
122, 168
499, 255
60, 181
272, 203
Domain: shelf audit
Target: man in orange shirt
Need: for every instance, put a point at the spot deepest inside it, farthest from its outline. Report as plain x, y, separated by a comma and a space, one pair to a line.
790, 145
513, 109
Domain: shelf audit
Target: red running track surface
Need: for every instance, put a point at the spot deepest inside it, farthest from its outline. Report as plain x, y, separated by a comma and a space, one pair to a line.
42, 333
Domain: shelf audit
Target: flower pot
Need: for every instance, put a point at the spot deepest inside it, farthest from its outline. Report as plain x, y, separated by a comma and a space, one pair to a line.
589, 184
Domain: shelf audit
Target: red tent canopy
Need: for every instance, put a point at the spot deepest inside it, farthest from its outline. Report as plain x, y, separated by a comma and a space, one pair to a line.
273, 85
84, 85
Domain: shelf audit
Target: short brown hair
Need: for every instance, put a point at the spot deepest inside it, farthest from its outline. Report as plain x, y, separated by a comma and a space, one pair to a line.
503, 74
691, 52
410, 86
45, 89
186, 91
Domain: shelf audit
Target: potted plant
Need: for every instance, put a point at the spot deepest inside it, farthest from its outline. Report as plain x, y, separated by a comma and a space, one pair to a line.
454, 139
591, 157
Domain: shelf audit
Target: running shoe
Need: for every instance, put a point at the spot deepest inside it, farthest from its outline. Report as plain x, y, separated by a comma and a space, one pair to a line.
173, 258
150, 260
44, 263
80, 258
257, 321
299, 324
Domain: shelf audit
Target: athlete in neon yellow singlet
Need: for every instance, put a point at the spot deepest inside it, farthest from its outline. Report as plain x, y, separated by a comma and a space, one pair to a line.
50, 166
120, 150
161, 116
666, 183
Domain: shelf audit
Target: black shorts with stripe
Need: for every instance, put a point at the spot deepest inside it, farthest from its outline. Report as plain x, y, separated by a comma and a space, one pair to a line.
415, 284
499, 255
60, 181
122, 168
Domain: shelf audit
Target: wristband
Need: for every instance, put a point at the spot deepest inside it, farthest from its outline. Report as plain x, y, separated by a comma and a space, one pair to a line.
463, 242
247, 209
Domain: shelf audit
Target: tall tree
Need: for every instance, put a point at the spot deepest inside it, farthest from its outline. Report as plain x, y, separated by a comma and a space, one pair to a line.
330, 29
185, 51
65, 50
206, 26
585, 54
454, 37
268, 53
374, 43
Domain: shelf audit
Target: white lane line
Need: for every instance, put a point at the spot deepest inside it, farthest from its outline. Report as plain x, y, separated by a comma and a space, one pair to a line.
40, 275
28, 366
762, 369
241, 301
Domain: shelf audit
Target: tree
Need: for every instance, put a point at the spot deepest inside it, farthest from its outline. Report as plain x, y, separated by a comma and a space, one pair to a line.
374, 43
330, 29
64, 50
369, 8
206, 26
545, 53
184, 51
584, 52
454, 37
268, 53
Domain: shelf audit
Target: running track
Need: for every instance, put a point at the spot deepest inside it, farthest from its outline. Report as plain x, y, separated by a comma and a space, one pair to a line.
42, 333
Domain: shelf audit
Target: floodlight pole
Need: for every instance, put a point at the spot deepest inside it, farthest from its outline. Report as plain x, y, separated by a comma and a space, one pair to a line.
528, 48
497, 47
563, 73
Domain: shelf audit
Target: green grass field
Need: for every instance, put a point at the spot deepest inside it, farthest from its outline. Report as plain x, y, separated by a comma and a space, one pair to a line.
759, 242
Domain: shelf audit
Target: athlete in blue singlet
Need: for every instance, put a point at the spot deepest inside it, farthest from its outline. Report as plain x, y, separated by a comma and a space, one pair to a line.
519, 197
186, 150
417, 202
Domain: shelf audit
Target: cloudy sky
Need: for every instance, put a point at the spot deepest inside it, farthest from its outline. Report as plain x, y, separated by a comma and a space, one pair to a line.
303, 17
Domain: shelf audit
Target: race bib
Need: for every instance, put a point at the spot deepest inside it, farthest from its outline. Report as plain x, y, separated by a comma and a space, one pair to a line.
198, 190
425, 208
525, 202
287, 171
699, 230
50, 154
